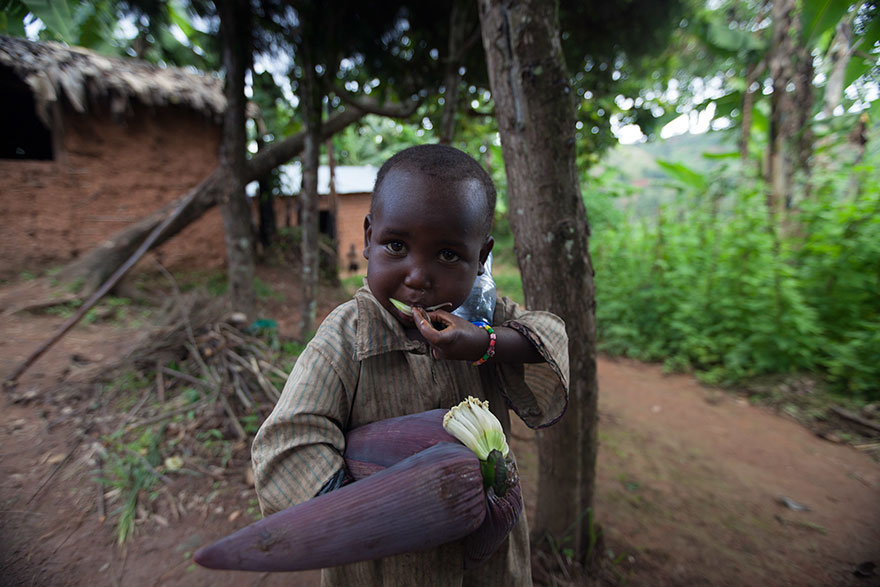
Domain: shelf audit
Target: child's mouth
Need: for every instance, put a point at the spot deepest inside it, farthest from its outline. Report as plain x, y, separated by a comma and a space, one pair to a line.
408, 311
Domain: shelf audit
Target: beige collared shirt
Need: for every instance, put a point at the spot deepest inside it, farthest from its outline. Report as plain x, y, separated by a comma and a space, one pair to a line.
359, 368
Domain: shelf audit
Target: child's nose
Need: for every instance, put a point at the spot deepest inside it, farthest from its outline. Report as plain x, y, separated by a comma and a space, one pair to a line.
417, 278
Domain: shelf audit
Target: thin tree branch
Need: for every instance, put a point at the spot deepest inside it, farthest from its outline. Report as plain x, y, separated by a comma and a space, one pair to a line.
370, 106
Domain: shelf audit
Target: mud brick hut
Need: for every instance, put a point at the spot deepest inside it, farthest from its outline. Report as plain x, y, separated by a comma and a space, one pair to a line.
90, 144
344, 193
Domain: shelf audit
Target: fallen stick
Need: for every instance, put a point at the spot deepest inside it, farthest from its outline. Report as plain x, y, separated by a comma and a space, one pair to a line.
240, 391
102, 509
55, 470
274, 369
847, 415
102, 291
166, 415
160, 382
186, 377
235, 423
195, 354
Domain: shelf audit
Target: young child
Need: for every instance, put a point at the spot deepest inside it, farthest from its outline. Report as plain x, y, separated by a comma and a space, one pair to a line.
426, 239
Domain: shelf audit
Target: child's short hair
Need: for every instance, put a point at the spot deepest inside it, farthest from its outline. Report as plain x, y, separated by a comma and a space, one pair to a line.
443, 163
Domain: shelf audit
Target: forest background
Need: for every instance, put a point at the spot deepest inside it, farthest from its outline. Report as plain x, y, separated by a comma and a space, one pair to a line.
755, 256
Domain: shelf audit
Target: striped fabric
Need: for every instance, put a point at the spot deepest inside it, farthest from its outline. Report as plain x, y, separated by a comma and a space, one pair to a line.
359, 368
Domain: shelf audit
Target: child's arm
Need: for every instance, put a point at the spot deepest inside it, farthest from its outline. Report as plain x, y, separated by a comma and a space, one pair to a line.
298, 449
537, 390
462, 340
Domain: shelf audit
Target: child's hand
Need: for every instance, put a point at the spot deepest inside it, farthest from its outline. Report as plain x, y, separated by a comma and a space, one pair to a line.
458, 340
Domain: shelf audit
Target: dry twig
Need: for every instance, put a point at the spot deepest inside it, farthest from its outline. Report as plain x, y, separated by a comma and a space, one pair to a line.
847, 415
56, 469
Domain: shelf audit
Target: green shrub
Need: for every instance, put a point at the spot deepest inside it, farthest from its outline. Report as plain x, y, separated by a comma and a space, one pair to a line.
709, 283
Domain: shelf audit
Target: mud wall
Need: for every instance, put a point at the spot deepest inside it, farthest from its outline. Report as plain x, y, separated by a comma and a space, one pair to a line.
105, 175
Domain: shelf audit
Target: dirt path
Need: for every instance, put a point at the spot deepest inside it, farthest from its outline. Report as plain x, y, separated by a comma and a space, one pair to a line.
693, 482
690, 489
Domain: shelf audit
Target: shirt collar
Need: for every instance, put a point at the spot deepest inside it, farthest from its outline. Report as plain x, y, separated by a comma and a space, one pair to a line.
378, 331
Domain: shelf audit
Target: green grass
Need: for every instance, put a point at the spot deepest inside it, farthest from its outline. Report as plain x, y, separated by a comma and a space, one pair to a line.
508, 282
130, 468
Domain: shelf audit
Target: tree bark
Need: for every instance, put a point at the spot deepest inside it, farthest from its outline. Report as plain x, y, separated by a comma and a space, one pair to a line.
803, 137
781, 66
840, 53
452, 78
536, 118
748, 106
267, 221
267, 224
234, 207
310, 96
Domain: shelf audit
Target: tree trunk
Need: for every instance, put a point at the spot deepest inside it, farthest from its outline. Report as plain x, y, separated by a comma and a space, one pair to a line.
334, 200
235, 209
748, 106
310, 96
840, 53
267, 221
803, 137
267, 224
452, 78
781, 66
536, 118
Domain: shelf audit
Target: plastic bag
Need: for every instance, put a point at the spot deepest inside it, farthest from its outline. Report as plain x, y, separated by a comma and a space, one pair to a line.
480, 303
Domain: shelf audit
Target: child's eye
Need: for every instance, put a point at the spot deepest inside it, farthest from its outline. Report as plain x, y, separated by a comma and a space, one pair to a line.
395, 248
448, 256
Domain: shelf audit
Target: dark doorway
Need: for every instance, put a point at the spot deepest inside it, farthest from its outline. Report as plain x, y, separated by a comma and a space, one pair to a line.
326, 224
24, 135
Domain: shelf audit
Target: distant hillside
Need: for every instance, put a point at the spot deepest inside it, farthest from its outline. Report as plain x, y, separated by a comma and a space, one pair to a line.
636, 165
639, 160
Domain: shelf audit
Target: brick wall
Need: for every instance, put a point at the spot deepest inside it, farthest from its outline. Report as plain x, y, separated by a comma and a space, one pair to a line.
351, 210
105, 175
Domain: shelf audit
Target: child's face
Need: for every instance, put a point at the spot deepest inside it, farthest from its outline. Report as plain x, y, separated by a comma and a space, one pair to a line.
425, 241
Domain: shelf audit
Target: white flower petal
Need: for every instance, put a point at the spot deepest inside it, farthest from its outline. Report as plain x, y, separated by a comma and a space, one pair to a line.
476, 427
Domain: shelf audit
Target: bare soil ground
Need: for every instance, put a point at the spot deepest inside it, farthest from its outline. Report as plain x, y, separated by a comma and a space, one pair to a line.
695, 486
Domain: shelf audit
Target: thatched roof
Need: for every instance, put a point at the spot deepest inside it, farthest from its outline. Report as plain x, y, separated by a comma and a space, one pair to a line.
53, 70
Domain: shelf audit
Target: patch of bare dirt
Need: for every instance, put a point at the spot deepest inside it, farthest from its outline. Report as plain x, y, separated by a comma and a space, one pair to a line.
694, 486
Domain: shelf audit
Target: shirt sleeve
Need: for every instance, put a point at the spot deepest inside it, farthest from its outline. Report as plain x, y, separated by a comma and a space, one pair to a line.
537, 392
300, 445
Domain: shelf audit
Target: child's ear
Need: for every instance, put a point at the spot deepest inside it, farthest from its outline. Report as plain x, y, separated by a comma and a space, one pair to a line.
484, 252
368, 234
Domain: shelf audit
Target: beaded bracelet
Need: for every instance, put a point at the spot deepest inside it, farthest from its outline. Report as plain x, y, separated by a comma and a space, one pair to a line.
490, 352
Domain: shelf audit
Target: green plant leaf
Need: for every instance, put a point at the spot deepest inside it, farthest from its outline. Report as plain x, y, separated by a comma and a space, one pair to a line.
12, 13
57, 15
728, 155
856, 68
818, 16
684, 174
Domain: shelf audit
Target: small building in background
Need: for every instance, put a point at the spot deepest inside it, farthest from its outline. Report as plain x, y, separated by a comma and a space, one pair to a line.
90, 144
342, 205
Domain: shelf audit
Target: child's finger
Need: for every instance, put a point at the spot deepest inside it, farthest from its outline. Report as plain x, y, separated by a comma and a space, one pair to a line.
441, 317
423, 323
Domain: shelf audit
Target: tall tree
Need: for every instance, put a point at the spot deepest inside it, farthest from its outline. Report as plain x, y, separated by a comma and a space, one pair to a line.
311, 94
235, 18
775, 44
782, 118
463, 33
536, 118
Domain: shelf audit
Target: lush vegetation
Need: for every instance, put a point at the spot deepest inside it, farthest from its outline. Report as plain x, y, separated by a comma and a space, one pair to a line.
711, 282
